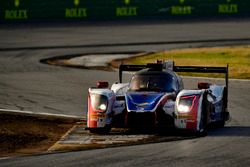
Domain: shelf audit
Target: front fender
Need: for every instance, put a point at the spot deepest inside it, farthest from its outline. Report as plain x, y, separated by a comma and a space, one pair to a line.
188, 109
100, 103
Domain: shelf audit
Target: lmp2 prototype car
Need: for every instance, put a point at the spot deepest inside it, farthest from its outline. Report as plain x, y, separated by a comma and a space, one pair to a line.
155, 98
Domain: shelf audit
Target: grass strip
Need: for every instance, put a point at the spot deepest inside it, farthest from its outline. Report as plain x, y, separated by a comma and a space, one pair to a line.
238, 58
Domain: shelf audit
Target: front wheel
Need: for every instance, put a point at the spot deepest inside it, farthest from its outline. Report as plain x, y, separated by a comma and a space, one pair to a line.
203, 123
105, 130
201, 133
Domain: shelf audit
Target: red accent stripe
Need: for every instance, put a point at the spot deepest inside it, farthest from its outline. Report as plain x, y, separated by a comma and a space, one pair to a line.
91, 122
194, 113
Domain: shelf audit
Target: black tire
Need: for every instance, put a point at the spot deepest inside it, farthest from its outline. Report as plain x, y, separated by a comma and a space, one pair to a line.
203, 131
105, 130
224, 113
220, 124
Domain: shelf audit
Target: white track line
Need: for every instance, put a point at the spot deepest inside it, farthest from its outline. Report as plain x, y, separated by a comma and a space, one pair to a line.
41, 114
3, 158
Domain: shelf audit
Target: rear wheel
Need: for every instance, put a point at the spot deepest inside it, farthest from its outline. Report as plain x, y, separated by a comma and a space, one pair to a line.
224, 112
221, 123
225, 117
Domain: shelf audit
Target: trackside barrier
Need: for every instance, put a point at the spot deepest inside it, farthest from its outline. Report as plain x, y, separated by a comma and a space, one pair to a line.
41, 10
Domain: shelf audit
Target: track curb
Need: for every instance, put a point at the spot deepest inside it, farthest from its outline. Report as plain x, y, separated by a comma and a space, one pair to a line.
42, 115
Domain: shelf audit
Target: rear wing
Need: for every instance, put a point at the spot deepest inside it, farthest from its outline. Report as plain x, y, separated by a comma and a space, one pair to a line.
129, 68
198, 69
162, 66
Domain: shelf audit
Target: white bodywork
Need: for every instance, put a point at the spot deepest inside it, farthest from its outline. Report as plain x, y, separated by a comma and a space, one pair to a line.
181, 123
117, 106
111, 98
214, 95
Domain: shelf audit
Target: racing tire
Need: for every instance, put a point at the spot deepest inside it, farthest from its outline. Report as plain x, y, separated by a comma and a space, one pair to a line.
203, 129
103, 131
222, 122
225, 117
201, 133
225, 113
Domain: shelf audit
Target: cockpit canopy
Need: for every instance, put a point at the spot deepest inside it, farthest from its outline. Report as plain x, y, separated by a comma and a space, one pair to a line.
161, 81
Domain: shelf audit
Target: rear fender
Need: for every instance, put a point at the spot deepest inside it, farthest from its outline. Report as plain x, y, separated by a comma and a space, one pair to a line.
217, 91
219, 100
100, 103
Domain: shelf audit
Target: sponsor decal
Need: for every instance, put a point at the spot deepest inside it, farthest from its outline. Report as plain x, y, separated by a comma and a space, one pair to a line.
181, 9
228, 8
126, 10
190, 120
16, 13
96, 116
76, 11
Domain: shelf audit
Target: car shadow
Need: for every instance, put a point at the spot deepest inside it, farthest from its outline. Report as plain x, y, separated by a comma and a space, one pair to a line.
233, 131
171, 132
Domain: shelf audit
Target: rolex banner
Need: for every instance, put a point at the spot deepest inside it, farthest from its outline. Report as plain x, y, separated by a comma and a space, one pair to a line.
38, 10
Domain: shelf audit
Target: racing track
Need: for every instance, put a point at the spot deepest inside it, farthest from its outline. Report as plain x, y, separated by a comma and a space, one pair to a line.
26, 84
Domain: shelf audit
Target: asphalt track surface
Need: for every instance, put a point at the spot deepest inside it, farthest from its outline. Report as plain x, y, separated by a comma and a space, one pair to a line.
26, 84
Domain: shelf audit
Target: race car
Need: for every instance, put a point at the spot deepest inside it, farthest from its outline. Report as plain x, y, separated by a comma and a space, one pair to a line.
155, 98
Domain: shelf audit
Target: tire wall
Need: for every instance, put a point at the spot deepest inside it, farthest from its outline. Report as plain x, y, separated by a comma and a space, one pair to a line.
67, 10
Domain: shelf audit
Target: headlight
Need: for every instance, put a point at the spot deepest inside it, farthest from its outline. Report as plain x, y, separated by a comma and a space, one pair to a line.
183, 108
103, 107
186, 104
99, 102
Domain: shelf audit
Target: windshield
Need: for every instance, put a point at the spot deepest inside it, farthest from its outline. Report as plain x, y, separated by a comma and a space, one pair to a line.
163, 83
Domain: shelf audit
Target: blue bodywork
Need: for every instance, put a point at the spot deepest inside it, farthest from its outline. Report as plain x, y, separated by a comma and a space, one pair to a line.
143, 101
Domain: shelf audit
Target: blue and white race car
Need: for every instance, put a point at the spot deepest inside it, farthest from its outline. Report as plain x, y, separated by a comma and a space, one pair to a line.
155, 98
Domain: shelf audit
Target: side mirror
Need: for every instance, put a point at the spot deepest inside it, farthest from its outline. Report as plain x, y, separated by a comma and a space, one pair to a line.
203, 85
102, 84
